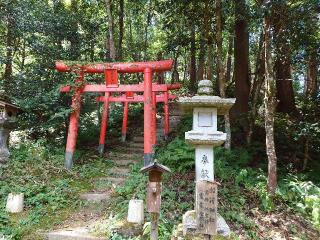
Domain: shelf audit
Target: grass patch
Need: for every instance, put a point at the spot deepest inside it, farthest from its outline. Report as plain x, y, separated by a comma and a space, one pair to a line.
51, 192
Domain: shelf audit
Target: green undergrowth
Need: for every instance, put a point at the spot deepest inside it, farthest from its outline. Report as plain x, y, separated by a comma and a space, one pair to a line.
51, 192
243, 187
242, 190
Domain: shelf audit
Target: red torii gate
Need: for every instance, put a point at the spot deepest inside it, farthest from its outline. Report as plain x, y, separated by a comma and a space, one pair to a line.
130, 97
111, 70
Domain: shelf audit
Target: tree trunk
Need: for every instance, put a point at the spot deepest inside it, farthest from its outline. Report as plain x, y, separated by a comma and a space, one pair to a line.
241, 62
310, 86
201, 61
146, 31
208, 30
220, 71
7, 76
256, 87
74, 35
160, 75
112, 49
175, 73
270, 104
121, 29
285, 94
193, 72
227, 75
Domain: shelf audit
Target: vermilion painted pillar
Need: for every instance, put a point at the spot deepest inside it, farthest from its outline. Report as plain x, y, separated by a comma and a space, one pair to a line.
166, 115
154, 120
104, 123
125, 121
148, 153
73, 126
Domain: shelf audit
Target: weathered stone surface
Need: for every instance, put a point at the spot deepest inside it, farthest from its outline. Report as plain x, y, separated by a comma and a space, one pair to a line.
189, 223
205, 138
80, 233
138, 139
223, 105
135, 211
114, 180
205, 87
124, 162
95, 197
136, 145
119, 171
15, 202
188, 228
223, 228
127, 229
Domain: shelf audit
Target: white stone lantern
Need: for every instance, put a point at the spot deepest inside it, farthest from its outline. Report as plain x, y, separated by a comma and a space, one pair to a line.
204, 136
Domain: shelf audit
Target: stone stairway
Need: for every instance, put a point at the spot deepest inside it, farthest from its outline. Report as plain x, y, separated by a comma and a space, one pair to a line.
122, 155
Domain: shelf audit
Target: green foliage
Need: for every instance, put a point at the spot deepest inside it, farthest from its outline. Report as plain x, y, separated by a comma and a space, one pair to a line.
177, 155
37, 170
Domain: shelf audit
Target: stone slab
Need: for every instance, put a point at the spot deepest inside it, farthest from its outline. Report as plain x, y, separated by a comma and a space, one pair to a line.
189, 225
119, 171
223, 105
95, 197
136, 145
214, 138
80, 233
124, 162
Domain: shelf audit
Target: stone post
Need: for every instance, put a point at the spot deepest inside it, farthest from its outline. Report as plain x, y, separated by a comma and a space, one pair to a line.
204, 136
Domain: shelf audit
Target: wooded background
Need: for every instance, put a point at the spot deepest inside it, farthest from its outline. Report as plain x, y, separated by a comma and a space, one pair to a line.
264, 53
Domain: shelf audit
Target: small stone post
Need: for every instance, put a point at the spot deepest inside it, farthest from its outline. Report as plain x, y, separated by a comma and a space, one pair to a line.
204, 136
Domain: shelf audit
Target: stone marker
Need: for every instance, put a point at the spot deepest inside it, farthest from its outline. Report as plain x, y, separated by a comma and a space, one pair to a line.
15, 202
204, 136
135, 211
206, 207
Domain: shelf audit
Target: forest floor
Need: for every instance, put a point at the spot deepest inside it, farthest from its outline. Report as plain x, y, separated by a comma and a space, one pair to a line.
54, 196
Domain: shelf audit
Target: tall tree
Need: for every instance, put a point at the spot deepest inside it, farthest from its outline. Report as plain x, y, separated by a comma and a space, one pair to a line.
74, 33
269, 101
256, 87
285, 93
192, 66
10, 38
112, 48
220, 69
121, 28
241, 60
209, 40
310, 87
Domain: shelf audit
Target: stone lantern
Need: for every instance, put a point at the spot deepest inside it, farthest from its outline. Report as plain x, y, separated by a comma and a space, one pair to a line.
204, 136
8, 117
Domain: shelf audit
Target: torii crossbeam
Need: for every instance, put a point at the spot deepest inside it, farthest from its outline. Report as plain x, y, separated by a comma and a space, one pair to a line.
110, 71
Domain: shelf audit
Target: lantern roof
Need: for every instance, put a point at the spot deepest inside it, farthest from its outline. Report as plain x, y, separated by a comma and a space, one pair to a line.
155, 166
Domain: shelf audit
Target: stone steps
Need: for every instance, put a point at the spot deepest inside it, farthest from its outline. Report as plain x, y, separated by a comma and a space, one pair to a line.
123, 156
95, 197
124, 162
79, 233
129, 150
117, 170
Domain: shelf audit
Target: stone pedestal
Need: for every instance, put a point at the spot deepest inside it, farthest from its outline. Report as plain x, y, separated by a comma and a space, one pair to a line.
204, 136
